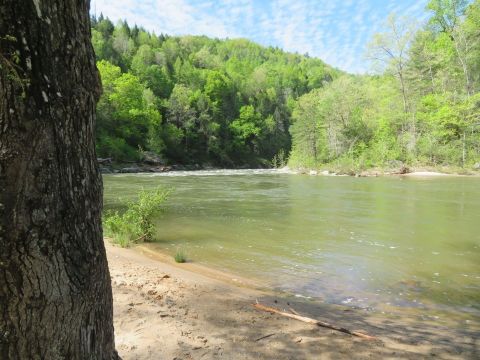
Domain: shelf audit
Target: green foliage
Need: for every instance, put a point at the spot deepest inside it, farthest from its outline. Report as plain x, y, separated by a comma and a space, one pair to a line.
127, 115
246, 129
423, 108
446, 13
137, 222
180, 257
193, 99
307, 131
279, 160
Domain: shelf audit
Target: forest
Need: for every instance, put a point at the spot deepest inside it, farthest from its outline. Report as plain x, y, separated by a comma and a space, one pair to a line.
197, 100
232, 103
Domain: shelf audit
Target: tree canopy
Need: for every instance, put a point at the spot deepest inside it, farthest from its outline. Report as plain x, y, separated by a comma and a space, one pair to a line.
193, 99
422, 108
232, 102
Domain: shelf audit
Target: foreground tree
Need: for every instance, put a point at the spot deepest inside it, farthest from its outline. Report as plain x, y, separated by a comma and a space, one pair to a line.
55, 293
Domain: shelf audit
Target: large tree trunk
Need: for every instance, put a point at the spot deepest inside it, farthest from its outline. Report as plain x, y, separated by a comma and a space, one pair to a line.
55, 292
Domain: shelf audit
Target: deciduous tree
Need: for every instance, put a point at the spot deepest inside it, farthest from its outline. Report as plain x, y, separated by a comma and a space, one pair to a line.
55, 292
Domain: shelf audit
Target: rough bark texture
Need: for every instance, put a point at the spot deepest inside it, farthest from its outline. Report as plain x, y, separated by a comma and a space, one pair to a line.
55, 293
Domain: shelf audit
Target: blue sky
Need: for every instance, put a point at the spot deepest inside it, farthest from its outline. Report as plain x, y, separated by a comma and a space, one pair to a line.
335, 31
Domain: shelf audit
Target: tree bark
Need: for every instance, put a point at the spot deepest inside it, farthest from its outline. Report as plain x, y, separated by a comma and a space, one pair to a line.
55, 292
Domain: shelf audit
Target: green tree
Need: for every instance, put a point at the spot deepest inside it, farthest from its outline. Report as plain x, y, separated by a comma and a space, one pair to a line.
246, 129
126, 112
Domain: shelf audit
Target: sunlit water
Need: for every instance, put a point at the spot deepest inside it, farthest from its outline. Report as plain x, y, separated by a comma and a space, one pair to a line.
376, 243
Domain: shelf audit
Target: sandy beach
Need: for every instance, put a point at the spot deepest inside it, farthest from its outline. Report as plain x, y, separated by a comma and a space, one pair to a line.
164, 310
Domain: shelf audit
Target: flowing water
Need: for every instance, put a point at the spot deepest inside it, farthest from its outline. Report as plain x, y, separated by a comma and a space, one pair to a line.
381, 243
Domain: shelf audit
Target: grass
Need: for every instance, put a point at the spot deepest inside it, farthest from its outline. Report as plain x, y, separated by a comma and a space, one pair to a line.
180, 257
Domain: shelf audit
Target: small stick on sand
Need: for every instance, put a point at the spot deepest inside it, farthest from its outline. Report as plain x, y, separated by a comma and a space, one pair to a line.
264, 337
312, 321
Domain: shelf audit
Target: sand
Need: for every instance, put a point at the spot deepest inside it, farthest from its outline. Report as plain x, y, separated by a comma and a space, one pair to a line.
428, 173
164, 310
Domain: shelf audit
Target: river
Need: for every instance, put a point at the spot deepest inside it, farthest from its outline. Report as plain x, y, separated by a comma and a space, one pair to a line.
380, 244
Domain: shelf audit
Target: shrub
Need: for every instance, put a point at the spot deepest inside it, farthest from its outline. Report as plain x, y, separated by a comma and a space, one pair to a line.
180, 257
136, 223
279, 160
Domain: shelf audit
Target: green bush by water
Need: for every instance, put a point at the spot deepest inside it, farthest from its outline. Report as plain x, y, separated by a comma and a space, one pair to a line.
180, 257
136, 223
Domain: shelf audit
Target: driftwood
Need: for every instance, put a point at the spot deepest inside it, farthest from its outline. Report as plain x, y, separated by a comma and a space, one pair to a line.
312, 321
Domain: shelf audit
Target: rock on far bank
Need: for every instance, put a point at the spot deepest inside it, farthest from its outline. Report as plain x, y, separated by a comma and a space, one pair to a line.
130, 170
150, 158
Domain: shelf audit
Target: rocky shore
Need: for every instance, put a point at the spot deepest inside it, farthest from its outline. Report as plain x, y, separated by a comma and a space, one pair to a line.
152, 163
149, 163
393, 168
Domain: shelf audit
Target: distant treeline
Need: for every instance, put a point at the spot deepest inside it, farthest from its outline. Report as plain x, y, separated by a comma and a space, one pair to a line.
196, 100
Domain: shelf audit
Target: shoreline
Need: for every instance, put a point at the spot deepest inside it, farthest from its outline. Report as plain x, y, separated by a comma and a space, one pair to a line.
208, 272
374, 172
234, 279
187, 311
420, 172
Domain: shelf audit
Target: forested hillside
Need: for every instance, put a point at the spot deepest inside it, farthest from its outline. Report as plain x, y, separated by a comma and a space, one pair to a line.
423, 108
196, 100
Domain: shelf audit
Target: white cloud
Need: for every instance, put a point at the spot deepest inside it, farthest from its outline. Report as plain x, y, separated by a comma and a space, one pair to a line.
335, 31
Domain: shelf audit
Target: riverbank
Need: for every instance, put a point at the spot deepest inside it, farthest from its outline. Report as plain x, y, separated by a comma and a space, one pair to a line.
376, 172
152, 163
162, 310
107, 167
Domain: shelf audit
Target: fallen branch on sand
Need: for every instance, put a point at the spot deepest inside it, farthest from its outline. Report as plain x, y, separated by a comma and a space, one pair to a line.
312, 321
264, 337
